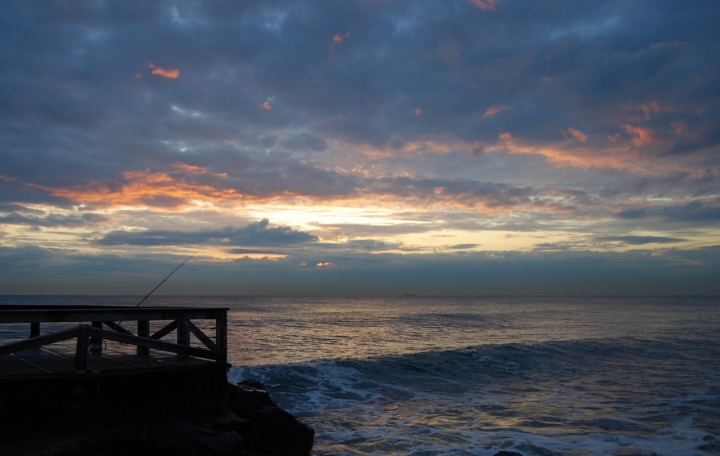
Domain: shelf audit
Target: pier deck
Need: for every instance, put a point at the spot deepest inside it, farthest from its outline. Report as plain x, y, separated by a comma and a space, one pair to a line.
61, 363
59, 360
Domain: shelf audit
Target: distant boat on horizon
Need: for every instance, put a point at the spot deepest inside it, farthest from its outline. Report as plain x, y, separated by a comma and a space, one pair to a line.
410, 294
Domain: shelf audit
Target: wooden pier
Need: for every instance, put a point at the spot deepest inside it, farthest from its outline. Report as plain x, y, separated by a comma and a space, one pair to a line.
88, 362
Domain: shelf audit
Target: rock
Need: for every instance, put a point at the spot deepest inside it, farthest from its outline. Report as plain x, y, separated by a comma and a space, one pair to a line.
179, 438
245, 398
255, 384
508, 453
103, 445
251, 453
276, 431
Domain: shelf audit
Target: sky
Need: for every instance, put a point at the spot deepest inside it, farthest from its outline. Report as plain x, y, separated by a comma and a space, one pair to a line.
459, 147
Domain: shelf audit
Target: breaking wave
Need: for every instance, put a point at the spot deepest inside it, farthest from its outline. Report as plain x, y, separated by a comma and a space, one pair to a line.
625, 396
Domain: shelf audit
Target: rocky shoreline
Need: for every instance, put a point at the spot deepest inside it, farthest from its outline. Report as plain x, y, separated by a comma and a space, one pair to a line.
252, 425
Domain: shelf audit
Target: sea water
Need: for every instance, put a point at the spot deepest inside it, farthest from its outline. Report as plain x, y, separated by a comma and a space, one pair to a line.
476, 375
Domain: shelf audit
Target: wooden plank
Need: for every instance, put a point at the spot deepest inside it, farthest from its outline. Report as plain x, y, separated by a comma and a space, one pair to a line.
95, 342
143, 330
197, 332
167, 329
31, 363
183, 334
82, 347
155, 344
116, 327
36, 363
221, 338
38, 341
37, 314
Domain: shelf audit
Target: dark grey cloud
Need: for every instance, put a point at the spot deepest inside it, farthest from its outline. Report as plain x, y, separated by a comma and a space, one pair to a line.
364, 245
463, 246
70, 94
255, 234
640, 240
255, 252
53, 220
35, 270
695, 211
12, 208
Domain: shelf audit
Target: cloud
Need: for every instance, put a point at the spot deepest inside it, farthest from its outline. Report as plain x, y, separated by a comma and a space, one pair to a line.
34, 269
577, 134
340, 37
363, 245
494, 109
169, 73
53, 220
642, 137
485, 5
640, 240
255, 234
8, 208
463, 246
255, 252
693, 212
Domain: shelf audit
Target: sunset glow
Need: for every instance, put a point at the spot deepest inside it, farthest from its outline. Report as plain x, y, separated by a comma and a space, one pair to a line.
360, 141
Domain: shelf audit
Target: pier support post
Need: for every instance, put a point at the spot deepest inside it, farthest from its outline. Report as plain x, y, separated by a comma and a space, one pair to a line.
183, 334
221, 338
81, 351
96, 342
35, 329
143, 330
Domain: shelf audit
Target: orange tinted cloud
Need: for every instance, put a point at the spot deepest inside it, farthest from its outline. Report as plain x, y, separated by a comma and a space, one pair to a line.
195, 169
577, 134
494, 109
621, 156
642, 137
267, 106
505, 136
145, 188
170, 73
418, 112
190, 168
648, 109
485, 5
339, 38
680, 128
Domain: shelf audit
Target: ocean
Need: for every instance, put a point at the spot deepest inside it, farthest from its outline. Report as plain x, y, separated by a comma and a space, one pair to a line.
476, 375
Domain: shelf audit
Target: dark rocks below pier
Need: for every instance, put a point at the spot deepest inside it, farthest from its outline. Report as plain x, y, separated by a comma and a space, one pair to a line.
253, 425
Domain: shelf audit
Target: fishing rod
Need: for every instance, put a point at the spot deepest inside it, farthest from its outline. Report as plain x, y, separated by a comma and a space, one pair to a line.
116, 325
158, 285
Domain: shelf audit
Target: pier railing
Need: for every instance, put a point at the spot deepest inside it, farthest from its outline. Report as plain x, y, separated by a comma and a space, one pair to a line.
110, 323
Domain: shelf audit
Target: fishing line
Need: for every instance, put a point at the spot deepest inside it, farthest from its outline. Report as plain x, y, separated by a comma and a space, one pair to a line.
148, 295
